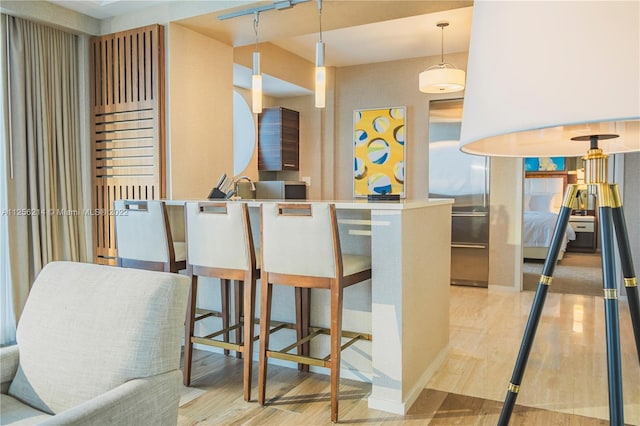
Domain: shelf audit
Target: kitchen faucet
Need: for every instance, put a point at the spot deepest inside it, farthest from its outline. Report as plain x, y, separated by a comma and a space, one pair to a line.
240, 178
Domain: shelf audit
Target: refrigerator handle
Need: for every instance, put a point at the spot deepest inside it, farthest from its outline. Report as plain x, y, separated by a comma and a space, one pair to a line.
470, 246
486, 182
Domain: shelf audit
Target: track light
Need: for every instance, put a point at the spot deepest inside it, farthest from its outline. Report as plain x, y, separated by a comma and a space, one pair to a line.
256, 78
321, 71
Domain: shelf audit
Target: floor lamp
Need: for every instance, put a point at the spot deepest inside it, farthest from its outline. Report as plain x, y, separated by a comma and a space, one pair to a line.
548, 79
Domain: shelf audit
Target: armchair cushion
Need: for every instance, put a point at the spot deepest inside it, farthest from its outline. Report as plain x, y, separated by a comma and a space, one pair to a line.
16, 413
9, 356
87, 330
136, 402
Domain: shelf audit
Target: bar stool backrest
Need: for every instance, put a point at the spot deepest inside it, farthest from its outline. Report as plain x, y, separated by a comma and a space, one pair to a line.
218, 235
142, 231
300, 239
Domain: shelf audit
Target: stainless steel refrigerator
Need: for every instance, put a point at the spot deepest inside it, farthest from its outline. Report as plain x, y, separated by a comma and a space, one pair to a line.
465, 178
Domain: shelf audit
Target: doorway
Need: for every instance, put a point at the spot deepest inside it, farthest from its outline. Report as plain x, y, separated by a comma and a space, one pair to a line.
576, 273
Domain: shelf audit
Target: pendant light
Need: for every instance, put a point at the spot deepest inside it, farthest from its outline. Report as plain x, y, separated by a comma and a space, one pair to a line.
256, 78
441, 78
321, 71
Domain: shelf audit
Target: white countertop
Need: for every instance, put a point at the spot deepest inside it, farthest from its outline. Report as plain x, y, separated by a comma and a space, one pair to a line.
357, 204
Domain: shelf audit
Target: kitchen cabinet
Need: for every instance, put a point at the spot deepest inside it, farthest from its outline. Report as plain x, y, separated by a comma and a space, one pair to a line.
278, 139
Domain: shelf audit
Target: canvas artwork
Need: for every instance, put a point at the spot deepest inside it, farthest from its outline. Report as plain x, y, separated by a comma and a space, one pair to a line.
544, 164
379, 151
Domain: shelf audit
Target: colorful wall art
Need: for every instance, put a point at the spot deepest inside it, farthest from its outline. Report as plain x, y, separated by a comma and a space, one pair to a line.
544, 164
378, 151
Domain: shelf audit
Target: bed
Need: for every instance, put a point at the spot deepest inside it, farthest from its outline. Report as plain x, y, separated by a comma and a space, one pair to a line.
542, 202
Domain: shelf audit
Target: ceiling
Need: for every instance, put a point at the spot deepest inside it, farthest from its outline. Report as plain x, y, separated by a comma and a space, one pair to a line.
355, 32
104, 9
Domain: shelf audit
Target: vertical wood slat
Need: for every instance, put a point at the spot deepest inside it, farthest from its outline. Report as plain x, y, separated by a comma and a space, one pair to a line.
147, 71
127, 126
121, 70
135, 70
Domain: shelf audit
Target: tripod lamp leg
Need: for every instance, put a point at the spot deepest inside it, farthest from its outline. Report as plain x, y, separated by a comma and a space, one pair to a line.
612, 322
538, 304
626, 260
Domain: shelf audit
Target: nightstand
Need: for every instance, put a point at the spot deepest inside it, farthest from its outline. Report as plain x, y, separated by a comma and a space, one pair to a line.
585, 228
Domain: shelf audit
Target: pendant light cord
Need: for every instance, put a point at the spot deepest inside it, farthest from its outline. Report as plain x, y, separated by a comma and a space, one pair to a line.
442, 44
256, 21
320, 17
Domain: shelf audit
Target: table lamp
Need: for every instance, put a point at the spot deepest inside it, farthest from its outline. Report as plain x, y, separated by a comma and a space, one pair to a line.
551, 79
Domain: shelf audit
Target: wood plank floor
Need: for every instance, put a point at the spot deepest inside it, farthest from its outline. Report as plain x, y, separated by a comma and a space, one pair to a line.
565, 382
297, 398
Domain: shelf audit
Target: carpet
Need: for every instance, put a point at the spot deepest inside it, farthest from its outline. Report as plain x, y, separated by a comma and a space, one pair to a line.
576, 273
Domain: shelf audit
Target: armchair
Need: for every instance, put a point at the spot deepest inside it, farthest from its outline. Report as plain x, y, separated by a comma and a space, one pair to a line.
96, 345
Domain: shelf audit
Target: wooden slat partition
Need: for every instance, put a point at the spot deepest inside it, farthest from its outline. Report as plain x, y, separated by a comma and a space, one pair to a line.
127, 126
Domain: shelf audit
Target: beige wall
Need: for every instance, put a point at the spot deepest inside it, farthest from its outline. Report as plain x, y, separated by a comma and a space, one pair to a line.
505, 233
277, 62
199, 105
383, 85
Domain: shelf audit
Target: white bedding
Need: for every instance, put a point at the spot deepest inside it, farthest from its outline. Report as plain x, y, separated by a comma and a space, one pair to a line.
538, 229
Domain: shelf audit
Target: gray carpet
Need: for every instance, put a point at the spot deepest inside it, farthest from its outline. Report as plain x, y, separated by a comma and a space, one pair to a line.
576, 273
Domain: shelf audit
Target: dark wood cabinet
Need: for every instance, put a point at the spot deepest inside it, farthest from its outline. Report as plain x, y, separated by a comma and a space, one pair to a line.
278, 139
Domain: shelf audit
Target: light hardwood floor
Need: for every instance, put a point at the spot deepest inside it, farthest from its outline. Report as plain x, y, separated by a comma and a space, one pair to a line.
565, 382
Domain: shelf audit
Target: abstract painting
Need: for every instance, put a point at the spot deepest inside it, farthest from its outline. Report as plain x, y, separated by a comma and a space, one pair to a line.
544, 164
379, 151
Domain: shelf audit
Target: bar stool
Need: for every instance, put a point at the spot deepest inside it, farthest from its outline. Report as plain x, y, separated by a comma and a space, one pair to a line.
143, 237
220, 245
301, 248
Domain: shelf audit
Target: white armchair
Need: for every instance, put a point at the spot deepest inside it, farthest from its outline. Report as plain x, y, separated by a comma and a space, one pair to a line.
96, 345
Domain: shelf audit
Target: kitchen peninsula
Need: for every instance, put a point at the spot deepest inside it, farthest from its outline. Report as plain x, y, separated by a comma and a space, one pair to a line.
406, 307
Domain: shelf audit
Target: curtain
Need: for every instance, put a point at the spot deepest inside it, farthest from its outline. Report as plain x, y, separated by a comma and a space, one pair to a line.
42, 149
7, 320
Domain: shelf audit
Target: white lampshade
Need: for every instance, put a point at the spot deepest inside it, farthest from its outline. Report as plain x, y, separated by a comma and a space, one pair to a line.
441, 78
543, 72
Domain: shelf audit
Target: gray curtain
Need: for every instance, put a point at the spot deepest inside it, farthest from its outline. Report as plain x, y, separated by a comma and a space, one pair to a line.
42, 151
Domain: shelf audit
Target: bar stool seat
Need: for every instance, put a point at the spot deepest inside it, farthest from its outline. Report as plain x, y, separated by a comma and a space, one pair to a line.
301, 248
143, 237
180, 250
220, 245
352, 264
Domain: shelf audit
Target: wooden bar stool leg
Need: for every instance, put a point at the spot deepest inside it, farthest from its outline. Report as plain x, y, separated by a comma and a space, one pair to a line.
189, 327
265, 318
238, 312
303, 321
336, 334
300, 314
248, 330
306, 323
224, 310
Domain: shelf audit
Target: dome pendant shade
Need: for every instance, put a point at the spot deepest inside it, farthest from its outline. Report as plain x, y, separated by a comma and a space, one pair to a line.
443, 78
